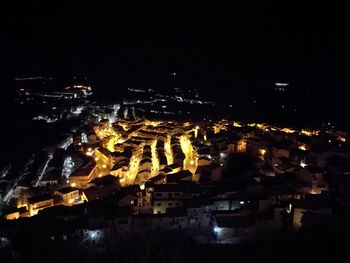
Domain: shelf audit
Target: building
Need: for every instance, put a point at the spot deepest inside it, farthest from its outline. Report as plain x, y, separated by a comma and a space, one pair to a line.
184, 175
39, 202
81, 177
68, 195
318, 204
311, 179
165, 196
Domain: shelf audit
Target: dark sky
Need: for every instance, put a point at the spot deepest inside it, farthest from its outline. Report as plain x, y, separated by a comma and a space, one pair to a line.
211, 40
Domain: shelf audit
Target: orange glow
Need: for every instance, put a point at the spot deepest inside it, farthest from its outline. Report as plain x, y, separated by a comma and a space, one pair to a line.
135, 137
155, 161
341, 139
236, 124
262, 153
302, 147
168, 151
241, 145
309, 132
288, 130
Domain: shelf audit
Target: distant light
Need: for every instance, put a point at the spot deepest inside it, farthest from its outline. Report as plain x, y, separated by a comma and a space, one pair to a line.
241, 202
281, 84
302, 147
262, 152
216, 229
342, 139
93, 234
303, 164
173, 74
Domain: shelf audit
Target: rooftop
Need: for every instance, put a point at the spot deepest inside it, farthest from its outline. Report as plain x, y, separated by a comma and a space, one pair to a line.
66, 190
39, 198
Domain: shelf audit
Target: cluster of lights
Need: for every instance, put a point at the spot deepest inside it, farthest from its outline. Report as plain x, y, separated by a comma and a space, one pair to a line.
34, 78
242, 145
155, 161
89, 151
302, 147
190, 156
168, 151
262, 153
303, 164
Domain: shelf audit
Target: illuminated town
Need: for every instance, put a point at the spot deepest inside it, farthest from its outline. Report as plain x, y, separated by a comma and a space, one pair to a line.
215, 131
218, 181
142, 157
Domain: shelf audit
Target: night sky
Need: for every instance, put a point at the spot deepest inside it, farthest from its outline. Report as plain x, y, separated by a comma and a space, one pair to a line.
221, 45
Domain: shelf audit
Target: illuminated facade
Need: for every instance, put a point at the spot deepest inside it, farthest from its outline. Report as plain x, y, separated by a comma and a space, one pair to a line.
39, 202
241, 145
